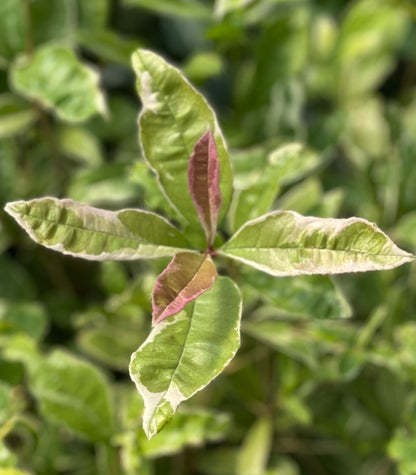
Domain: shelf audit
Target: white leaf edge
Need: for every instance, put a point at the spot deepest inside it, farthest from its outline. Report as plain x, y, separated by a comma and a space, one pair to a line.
339, 225
150, 102
124, 254
173, 394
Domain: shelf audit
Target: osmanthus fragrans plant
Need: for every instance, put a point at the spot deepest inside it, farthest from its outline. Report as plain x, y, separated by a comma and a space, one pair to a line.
196, 312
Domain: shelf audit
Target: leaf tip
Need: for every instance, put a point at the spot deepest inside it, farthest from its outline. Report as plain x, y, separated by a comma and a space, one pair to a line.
13, 208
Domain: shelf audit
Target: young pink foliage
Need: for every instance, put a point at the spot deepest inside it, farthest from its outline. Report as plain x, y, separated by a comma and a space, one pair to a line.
187, 275
203, 176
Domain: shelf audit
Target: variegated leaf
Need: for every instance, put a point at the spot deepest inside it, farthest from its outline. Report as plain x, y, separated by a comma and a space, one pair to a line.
95, 234
285, 243
186, 351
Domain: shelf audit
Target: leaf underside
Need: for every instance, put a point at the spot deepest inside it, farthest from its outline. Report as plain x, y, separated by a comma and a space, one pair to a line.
284, 243
186, 351
95, 234
187, 276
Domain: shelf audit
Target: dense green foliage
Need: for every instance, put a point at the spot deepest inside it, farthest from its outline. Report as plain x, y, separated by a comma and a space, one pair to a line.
317, 103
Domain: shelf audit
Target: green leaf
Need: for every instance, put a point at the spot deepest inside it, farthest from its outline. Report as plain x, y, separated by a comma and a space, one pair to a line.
173, 119
255, 200
366, 133
203, 176
74, 393
56, 78
186, 8
203, 65
281, 53
302, 198
93, 14
79, 143
285, 243
110, 334
304, 341
286, 164
110, 344
12, 29
95, 234
187, 276
6, 402
192, 427
29, 318
405, 344
402, 448
252, 459
15, 280
12, 471
106, 185
9, 172
309, 296
114, 277
293, 161
186, 351
218, 460
50, 21
405, 229
108, 45
369, 38
8, 459
222, 7
15, 115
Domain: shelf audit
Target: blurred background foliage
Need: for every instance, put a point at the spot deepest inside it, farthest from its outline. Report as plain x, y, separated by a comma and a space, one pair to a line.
325, 380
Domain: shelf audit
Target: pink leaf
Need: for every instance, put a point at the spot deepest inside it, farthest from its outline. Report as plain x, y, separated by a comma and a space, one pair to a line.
187, 275
203, 176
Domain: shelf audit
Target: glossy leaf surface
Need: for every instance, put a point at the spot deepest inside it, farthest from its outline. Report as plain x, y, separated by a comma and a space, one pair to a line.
185, 352
303, 296
187, 276
185, 8
255, 451
174, 117
285, 243
95, 234
74, 393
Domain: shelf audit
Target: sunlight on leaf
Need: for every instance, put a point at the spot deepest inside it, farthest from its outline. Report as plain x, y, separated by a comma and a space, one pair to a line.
284, 243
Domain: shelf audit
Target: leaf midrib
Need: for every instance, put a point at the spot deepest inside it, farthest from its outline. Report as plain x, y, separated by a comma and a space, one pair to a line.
315, 249
80, 228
